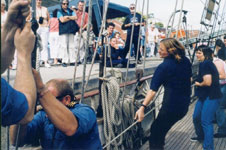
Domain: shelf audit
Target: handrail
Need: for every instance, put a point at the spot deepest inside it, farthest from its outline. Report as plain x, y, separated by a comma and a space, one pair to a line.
96, 92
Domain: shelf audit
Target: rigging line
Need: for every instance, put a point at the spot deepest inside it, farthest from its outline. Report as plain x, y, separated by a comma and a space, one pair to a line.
130, 46
7, 128
138, 45
86, 50
109, 54
146, 29
79, 44
182, 5
214, 22
17, 136
106, 47
175, 8
98, 5
105, 56
222, 19
128, 128
97, 44
186, 36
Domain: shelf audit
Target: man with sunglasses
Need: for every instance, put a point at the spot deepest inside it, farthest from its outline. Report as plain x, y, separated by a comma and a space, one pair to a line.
131, 19
63, 124
67, 31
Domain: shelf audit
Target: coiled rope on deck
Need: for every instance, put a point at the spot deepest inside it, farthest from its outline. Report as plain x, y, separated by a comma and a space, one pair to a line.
112, 111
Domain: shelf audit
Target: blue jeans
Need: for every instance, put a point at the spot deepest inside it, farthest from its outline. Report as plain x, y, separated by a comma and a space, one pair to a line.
202, 119
220, 114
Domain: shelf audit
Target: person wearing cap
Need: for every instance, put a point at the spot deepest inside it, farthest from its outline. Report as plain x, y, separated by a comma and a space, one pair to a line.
127, 25
63, 123
67, 18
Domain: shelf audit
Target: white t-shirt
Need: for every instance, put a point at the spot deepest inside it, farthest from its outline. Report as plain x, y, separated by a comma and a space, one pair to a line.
152, 35
3, 18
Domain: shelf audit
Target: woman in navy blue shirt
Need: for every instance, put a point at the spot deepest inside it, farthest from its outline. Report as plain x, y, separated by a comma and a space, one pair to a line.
208, 92
174, 73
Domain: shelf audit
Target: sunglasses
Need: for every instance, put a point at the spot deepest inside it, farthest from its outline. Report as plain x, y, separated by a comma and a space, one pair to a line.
64, 3
60, 97
132, 8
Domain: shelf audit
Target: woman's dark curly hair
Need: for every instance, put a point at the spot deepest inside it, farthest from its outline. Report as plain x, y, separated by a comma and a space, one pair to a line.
207, 52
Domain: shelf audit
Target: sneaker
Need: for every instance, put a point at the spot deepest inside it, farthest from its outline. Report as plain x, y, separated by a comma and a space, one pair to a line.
14, 67
219, 135
47, 65
196, 139
72, 64
64, 65
139, 62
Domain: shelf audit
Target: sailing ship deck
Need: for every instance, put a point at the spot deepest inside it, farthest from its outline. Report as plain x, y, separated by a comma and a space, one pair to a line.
178, 138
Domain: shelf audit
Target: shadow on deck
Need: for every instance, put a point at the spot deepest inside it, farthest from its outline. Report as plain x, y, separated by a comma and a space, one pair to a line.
178, 138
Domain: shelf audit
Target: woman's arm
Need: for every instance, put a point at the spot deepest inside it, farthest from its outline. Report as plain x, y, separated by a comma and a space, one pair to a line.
140, 113
207, 81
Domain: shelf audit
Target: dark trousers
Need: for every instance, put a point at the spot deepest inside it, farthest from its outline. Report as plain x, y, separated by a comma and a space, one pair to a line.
117, 61
135, 42
162, 125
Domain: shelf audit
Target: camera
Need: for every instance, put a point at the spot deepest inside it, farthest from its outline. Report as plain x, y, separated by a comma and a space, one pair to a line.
41, 19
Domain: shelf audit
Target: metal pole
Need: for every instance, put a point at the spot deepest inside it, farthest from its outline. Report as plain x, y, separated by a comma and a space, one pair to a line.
86, 48
182, 5
101, 64
168, 34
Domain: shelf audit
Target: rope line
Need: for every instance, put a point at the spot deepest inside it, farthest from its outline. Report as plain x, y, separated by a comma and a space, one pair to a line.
79, 44
128, 128
98, 40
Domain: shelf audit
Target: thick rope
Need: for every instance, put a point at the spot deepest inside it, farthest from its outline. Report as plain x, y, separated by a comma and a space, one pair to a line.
112, 111
133, 124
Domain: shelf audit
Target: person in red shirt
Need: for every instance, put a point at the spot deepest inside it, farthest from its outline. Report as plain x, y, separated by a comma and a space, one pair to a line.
79, 13
83, 26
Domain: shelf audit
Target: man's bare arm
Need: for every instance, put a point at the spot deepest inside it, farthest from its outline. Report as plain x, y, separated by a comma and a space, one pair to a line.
17, 13
24, 82
55, 110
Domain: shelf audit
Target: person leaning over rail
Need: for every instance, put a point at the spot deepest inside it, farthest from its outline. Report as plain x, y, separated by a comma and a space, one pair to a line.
208, 93
63, 124
174, 73
17, 104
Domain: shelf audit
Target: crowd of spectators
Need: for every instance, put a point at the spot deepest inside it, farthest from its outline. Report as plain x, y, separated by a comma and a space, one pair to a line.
53, 130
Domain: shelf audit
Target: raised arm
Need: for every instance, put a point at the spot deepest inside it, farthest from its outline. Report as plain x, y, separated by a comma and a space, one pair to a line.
56, 110
24, 82
18, 11
140, 113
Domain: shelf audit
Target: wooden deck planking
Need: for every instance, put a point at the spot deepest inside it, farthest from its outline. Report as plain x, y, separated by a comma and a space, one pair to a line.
178, 138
